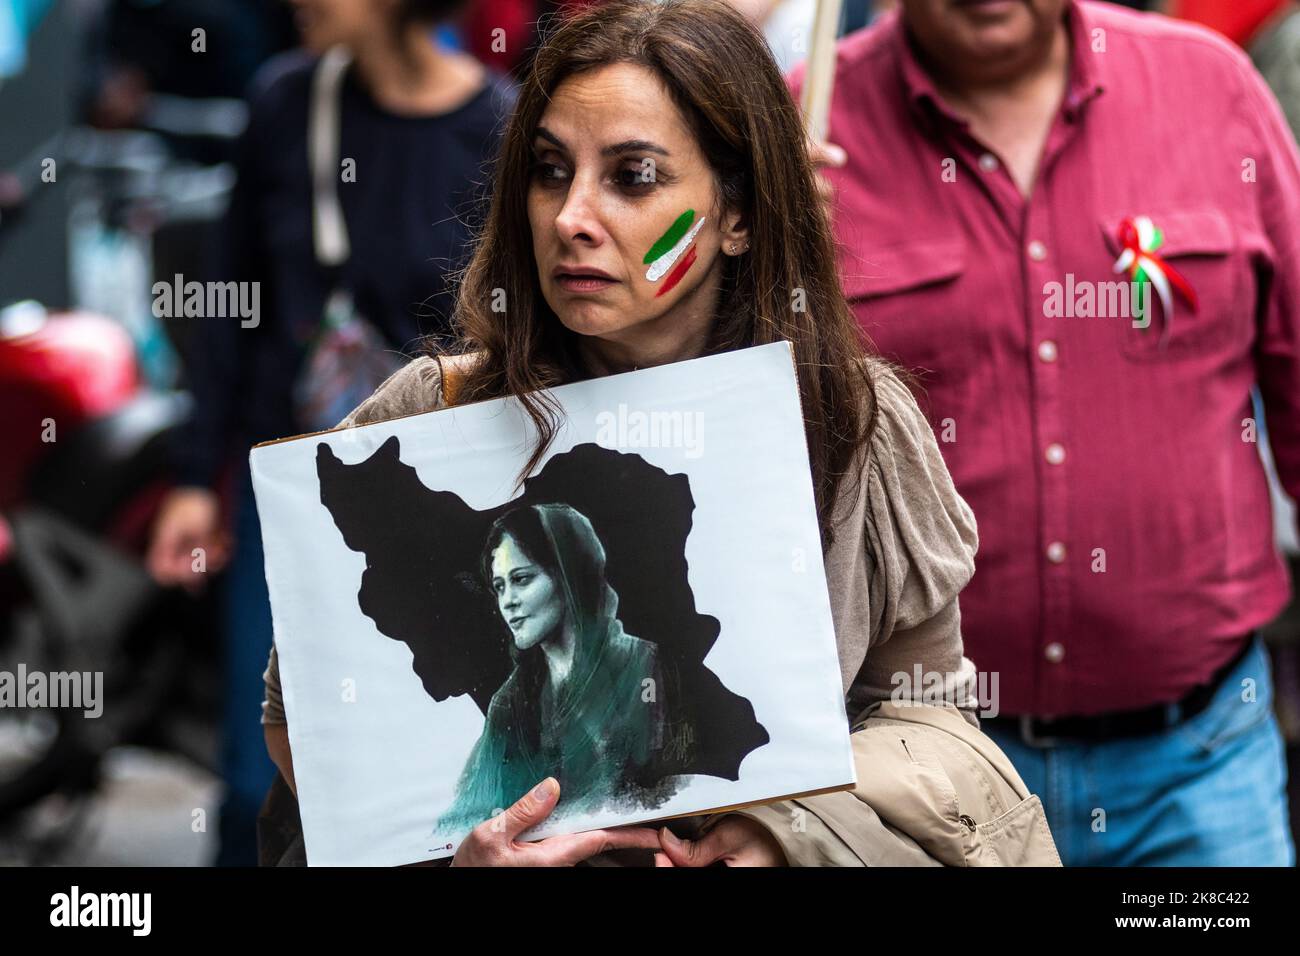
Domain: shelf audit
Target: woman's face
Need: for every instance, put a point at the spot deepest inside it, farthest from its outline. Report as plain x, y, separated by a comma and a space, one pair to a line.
528, 598
624, 208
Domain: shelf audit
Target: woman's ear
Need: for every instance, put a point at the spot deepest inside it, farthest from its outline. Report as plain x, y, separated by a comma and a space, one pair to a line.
735, 234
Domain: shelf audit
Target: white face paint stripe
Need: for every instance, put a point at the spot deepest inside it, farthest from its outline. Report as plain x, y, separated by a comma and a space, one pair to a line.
659, 268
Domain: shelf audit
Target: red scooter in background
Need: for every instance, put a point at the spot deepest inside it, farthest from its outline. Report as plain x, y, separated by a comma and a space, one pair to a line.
84, 467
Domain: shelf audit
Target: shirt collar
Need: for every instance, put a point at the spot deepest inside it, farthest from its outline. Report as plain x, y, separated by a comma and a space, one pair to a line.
1084, 85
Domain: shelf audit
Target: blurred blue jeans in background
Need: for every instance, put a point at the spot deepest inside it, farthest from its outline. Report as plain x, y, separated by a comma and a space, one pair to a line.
1210, 791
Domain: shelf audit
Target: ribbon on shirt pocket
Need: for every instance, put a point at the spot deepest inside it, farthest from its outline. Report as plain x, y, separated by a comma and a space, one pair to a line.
1199, 243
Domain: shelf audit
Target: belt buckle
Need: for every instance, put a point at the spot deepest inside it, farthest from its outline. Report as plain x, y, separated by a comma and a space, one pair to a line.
1030, 738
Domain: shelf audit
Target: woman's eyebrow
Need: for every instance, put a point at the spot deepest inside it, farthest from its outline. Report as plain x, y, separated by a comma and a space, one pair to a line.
634, 146
546, 134
614, 149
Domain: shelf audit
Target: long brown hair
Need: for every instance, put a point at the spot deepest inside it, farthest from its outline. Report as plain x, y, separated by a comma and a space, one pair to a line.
721, 75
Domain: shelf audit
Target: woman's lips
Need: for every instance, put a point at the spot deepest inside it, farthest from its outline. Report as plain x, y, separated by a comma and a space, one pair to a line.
516, 621
576, 283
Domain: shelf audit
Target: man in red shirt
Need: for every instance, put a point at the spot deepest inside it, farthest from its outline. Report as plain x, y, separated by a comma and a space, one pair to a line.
1080, 228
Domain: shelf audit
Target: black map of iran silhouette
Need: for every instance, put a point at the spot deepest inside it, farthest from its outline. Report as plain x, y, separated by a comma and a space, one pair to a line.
422, 584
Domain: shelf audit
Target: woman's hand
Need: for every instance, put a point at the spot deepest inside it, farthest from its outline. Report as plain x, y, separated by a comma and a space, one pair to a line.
494, 842
189, 519
735, 841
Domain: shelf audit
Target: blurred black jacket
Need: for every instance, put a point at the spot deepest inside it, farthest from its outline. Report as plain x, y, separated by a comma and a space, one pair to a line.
421, 186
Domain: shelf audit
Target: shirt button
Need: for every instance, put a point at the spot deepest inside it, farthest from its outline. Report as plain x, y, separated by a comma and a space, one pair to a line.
1054, 453
988, 162
1054, 652
1056, 552
1037, 251
1047, 350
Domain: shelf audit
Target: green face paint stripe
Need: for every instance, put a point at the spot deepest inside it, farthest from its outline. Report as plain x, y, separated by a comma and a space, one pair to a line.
659, 268
670, 238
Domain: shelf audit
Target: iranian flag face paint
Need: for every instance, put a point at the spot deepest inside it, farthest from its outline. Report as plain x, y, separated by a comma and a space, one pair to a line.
669, 256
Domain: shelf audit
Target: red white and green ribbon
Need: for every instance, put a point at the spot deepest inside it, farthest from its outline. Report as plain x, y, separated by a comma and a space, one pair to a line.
1139, 238
671, 249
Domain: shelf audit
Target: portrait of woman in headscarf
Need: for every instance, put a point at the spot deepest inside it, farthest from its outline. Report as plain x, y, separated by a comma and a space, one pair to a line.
585, 702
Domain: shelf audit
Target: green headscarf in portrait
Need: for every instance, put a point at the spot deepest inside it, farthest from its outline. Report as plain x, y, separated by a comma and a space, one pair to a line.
600, 731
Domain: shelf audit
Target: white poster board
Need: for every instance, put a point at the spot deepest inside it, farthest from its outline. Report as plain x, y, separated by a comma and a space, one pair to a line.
646, 619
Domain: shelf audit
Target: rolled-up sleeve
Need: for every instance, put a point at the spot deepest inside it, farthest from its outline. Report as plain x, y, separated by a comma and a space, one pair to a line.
921, 544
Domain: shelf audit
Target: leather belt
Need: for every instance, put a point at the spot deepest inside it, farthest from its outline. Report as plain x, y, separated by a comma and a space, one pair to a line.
1141, 721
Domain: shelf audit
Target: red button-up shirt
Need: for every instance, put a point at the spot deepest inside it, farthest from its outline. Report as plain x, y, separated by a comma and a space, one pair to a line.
1126, 543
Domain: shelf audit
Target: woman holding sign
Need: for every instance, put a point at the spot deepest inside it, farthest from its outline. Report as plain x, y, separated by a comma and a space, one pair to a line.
654, 204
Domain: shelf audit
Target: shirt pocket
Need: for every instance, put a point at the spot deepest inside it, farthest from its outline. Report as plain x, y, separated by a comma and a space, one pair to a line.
1201, 245
907, 298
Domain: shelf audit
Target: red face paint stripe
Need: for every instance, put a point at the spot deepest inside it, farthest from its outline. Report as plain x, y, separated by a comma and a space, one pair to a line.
679, 270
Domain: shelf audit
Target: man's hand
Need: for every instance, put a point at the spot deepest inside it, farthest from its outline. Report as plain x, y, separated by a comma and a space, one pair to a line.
735, 841
822, 156
494, 842
189, 518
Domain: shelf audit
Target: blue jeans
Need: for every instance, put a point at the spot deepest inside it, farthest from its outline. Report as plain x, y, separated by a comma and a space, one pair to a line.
246, 769
1210, 791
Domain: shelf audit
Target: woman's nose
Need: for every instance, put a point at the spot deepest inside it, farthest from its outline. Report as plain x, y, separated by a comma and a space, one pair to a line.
579, 220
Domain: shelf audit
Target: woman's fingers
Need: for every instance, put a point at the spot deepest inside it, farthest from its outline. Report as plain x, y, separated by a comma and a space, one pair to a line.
573, 848
493, 842
528, 811
692, 852
736, 840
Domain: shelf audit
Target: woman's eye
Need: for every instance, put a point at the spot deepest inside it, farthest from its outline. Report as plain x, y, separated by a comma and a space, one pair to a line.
640, 176
548, 173
522, 579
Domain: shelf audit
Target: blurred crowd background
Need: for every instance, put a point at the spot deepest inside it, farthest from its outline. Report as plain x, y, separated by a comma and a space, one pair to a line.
119, 168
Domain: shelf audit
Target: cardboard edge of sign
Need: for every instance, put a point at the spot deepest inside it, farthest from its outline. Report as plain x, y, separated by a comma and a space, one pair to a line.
730, 808
460, 363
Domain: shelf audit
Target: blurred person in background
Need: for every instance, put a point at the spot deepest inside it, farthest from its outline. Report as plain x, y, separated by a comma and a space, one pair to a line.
141, 51
787, 25
416, 125
18, 21
1016, 149
1275, 48
503, 33
1269, 30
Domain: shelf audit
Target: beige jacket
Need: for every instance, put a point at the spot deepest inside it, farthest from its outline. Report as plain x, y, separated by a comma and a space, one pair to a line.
932, 788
